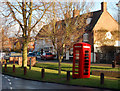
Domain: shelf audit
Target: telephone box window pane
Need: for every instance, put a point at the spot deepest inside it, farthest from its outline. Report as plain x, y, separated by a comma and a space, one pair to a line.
77, 54
86, 57
86, 61
86, 54
86, 51
85, 73
76, 73
85, 66
76, 69
76, 61
76, 66
77, 57
86, 70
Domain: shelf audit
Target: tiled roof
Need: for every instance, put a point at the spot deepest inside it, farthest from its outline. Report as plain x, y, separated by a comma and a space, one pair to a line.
94, 15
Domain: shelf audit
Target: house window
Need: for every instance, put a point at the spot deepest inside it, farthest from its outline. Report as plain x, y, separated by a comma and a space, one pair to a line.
85, 37
58, 26
88, 20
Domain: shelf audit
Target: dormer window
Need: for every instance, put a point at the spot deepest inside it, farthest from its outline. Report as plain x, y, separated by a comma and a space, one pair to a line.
88, 21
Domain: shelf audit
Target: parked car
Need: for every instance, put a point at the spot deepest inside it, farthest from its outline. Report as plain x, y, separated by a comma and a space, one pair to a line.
47, 55
2, 55
38, 55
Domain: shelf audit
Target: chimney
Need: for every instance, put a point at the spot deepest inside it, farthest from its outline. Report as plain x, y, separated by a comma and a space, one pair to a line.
67, 14
76, 12
104, 6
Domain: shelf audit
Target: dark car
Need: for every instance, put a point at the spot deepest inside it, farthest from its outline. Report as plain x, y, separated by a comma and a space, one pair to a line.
47, 55
32, 54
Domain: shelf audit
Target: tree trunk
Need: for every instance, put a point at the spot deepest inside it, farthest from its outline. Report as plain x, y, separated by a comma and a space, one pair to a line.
24, 55
59, 64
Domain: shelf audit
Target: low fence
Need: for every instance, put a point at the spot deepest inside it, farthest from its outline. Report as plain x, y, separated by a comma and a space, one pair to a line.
18, 60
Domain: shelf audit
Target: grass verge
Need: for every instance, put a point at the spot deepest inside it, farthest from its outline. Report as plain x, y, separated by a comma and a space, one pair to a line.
52, 76
68, 67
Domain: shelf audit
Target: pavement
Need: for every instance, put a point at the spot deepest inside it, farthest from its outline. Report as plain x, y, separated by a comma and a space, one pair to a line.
13, 83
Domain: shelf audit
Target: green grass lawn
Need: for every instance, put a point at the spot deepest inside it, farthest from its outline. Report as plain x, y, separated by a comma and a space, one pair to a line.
68, 67
52, 76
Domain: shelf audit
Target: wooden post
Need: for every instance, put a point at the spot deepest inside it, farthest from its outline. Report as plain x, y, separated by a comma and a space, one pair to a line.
13, 61
113, 64
14, 68
25, 70
30, 65
42, 73
68, 75
5, 67
102, 78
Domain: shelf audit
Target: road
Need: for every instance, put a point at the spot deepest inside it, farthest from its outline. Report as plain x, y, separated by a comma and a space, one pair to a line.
12, 83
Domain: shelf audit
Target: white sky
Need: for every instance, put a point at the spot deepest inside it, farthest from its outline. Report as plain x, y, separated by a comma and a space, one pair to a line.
111, 5
64, 0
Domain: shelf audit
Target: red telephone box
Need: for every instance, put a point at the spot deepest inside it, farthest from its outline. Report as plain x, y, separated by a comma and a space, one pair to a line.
81, 60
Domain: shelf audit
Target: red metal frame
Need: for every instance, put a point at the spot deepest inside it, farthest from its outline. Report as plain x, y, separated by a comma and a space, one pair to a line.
81, 60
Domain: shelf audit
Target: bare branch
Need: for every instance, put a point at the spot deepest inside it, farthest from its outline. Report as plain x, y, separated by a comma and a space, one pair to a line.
6, 15
16, 8
13, 14
41, 16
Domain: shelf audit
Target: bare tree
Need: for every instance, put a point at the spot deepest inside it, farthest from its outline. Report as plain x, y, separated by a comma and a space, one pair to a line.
66, 25
28, 15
